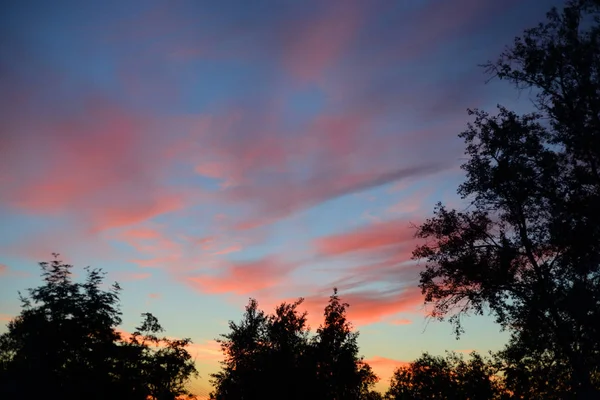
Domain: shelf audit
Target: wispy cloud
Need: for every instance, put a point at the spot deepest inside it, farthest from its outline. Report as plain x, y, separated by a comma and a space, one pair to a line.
367, 238
243, 277
369, 306
91, 164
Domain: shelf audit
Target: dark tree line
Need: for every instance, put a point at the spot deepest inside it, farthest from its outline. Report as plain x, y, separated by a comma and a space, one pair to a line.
276, 357
65, 345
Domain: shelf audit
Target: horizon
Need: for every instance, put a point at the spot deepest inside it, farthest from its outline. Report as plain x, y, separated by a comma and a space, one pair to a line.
202, 154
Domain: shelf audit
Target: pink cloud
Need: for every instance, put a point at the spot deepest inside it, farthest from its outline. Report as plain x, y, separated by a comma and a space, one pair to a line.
92, 164
370, 237
228, 250
3, 269
384, 368
277, 202
413, 202
155, 296
75, 247
369, 306
209, 350
312, 46
243, 277
392, 269
131, 213
269, 172
206, 243
141, 233
6, 317
149, 241
376, 253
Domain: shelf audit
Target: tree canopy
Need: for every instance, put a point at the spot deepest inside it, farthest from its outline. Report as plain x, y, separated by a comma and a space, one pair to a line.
274, 356
527, 249
451, 377
66, 340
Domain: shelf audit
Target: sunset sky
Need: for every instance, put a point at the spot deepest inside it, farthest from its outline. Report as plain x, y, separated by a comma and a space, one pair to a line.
205, 152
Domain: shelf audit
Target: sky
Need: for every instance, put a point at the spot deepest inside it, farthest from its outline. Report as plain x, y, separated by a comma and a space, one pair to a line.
206, 152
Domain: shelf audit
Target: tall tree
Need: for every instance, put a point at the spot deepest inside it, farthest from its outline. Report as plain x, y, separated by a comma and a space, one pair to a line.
341, 373
65, 340
289, 368
528, 248
244, 373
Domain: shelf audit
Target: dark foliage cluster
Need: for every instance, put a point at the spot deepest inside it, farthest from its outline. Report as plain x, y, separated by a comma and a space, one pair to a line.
450, 377
275, 356
66, 342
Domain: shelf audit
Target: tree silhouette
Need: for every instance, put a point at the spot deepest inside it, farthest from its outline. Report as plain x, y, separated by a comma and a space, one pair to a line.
65, 340
341, 373
528, 247
534, 376
164, 364
242, 370
446, 378
274, 357
265, 355
286, 357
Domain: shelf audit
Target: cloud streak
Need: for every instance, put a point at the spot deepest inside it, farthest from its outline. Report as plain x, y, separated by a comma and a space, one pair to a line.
243, 277
367, 238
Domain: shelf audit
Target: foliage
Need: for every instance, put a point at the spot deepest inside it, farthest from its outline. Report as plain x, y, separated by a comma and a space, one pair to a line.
273, 357
534, 376
528, 248
164, 364
66, 341
450, 377
341, 374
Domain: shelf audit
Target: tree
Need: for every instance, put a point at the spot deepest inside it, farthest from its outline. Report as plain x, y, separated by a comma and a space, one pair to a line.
341, 373
528, 247
534, 376
163, 365
450, 377
65, 339
264, 355
273, 357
